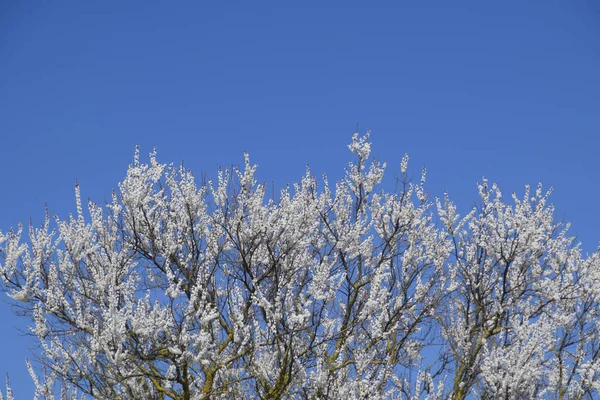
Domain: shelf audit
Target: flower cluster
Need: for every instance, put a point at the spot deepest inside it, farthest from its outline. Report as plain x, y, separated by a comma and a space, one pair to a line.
180, 291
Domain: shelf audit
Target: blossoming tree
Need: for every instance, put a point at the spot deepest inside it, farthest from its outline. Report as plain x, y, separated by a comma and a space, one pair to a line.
180, 291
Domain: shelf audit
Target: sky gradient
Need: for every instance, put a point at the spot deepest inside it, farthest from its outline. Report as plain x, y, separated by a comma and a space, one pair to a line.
507, 90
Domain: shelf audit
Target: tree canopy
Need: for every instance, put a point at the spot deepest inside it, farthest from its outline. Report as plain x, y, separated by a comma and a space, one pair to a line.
180, 290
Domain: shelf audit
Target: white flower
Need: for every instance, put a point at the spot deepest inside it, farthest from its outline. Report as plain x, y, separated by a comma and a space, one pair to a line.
22, 295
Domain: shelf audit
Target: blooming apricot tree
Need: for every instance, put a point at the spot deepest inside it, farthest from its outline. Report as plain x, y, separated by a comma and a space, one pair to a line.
182, 291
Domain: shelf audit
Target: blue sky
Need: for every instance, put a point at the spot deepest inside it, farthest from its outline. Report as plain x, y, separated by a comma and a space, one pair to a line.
509, 90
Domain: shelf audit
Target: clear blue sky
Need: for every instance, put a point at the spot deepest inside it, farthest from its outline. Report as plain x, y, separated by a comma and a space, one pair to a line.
509, 90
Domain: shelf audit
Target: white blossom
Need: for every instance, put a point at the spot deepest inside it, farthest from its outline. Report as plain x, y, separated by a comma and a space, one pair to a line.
174, 290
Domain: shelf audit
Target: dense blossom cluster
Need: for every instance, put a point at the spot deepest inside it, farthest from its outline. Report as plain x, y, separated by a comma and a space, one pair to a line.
181, 291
